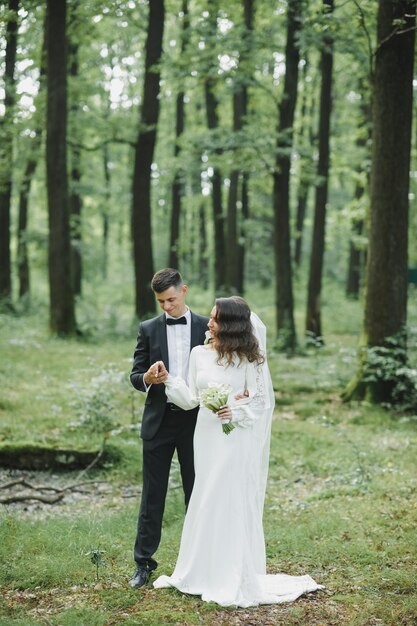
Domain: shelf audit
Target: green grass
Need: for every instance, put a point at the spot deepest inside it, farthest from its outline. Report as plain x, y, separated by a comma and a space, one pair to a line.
340, 501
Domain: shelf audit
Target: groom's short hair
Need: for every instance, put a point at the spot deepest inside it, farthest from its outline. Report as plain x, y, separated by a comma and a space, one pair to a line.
166, 278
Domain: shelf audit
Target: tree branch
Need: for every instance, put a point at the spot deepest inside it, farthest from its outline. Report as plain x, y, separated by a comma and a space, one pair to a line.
392, 34
368, 37
93, 462
23, 497
99, 146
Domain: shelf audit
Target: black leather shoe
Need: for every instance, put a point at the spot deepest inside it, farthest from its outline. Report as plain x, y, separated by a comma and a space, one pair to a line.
140, 577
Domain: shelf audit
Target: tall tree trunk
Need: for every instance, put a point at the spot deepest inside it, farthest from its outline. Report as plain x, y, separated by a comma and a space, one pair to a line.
144, 151
313, 318
386, 277
356, 254
249, 17
232, 234
356, 262
233, 223
105, 212
75, 195
242, 243
23, 267
76, 221
203, 269
219, 251
212, 106
177, 185
177, 189
22, 248
284, 293
307, 141
238, 194
302, 199
187, 255
6, 154
62, 315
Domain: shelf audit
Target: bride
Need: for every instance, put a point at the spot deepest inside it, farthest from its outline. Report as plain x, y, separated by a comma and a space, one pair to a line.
222, 552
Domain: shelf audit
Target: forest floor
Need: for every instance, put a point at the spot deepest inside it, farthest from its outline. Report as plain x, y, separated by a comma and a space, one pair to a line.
340, 505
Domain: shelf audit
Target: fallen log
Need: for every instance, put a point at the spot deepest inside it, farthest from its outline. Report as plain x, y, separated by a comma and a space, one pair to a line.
30, 456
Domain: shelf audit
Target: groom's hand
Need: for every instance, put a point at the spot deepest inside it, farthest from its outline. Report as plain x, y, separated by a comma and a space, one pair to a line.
156, 374
240, 396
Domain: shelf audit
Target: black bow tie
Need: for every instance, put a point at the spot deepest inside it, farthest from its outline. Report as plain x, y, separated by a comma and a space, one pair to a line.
176, 320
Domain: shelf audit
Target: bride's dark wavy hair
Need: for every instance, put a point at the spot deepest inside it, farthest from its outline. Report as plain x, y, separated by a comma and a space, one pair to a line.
234, 333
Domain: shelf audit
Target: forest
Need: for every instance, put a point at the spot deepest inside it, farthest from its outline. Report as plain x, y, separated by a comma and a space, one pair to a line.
254, 144
264, 148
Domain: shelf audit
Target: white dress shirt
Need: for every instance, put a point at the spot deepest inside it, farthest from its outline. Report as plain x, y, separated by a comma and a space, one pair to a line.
179, 341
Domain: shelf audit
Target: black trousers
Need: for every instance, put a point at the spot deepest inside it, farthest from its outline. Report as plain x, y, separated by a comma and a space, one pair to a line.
176, 433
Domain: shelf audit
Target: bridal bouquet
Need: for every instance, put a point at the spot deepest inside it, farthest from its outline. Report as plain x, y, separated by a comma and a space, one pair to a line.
213, 398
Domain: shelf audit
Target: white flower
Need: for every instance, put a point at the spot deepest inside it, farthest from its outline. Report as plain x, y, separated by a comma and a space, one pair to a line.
214, 397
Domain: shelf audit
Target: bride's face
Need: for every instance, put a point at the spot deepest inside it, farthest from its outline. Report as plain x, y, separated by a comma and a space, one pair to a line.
212, 324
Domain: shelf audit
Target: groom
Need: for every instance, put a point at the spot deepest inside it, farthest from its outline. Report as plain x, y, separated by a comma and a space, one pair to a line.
165, 427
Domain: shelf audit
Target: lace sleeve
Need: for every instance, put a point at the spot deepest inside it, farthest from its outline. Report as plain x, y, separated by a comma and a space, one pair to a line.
248, 410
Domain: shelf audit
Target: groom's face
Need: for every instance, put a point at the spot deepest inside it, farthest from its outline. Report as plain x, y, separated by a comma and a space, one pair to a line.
172, 300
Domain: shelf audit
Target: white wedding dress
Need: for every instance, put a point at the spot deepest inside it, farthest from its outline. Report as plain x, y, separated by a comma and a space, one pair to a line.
222, 552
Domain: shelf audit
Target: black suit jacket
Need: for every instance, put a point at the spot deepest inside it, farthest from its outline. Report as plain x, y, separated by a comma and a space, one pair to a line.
152, 346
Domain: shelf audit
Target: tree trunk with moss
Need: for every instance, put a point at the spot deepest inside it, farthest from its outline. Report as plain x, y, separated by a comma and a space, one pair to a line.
386, 277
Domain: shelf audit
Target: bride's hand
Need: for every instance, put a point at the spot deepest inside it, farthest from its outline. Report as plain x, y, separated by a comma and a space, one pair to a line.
156, 374
225, 412
161, 371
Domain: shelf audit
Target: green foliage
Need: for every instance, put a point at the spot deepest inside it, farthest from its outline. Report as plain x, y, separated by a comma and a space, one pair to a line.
386, 367
96, 557
94, 405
